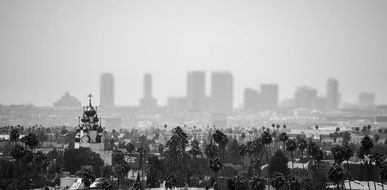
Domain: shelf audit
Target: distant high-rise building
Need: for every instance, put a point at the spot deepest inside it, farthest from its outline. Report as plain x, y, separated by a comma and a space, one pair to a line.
222, 92
319, 103
250, 97
68, 101
268, 97
304, 97
366, 100
196, 90
332, 99
148, 104
176, 105
107, 90
147, 86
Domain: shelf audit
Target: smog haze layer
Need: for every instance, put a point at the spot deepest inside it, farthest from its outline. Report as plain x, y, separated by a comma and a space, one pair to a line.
49, 47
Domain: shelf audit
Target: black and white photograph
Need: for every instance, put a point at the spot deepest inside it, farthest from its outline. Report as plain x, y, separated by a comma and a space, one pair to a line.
193, 94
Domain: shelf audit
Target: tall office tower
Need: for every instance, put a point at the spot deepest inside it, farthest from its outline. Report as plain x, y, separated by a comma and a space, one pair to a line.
176, 105
332, 100
304, 97
366, 100
269, 97
147, 85
196, 91
319, 103
148, 104
107, 90
250, 97
222, 92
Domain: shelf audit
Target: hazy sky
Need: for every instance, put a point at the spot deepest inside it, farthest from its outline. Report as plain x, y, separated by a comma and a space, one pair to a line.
50, 47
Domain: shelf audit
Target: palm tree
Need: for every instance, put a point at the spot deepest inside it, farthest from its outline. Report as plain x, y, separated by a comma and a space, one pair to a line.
266, 139
161, 149
31, 140
376, 138
171, 181
121, 169
379, 162
216, 165
141, 151
241, 182
316, 127
278, 126
195, 151
365, 149
283, 137
338, 154
278, 181
256, 163
257, 183
380, 130
130, 147
86, 173
17, 153
336, 174
221, 139
211, 151
302, 144
348, 153
291, 146
243, 136
357, 129
14, 135
242, 153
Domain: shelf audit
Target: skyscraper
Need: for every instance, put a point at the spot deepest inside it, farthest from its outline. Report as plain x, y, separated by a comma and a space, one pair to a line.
269, 97
148, 104
366, 100
304, 97
147, 85
332, 99
222, 92
176, 105
250, 100
107, 90
196, 90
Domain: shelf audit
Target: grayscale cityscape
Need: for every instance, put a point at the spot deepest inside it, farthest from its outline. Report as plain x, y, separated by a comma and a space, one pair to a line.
191, 95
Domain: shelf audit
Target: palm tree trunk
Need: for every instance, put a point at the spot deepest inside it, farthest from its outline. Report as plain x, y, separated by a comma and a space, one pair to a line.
267, 168
349, 179
118, 179
343, 185
302, 157
380, 179
372, 172
243, 163
368, 184
142, 183
291, 154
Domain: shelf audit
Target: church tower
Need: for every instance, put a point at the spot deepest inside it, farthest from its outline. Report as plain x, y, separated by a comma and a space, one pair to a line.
90, 131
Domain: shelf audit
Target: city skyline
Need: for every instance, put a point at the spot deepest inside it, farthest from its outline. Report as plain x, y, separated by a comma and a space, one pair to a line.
264, 97
178, 94
259, 42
